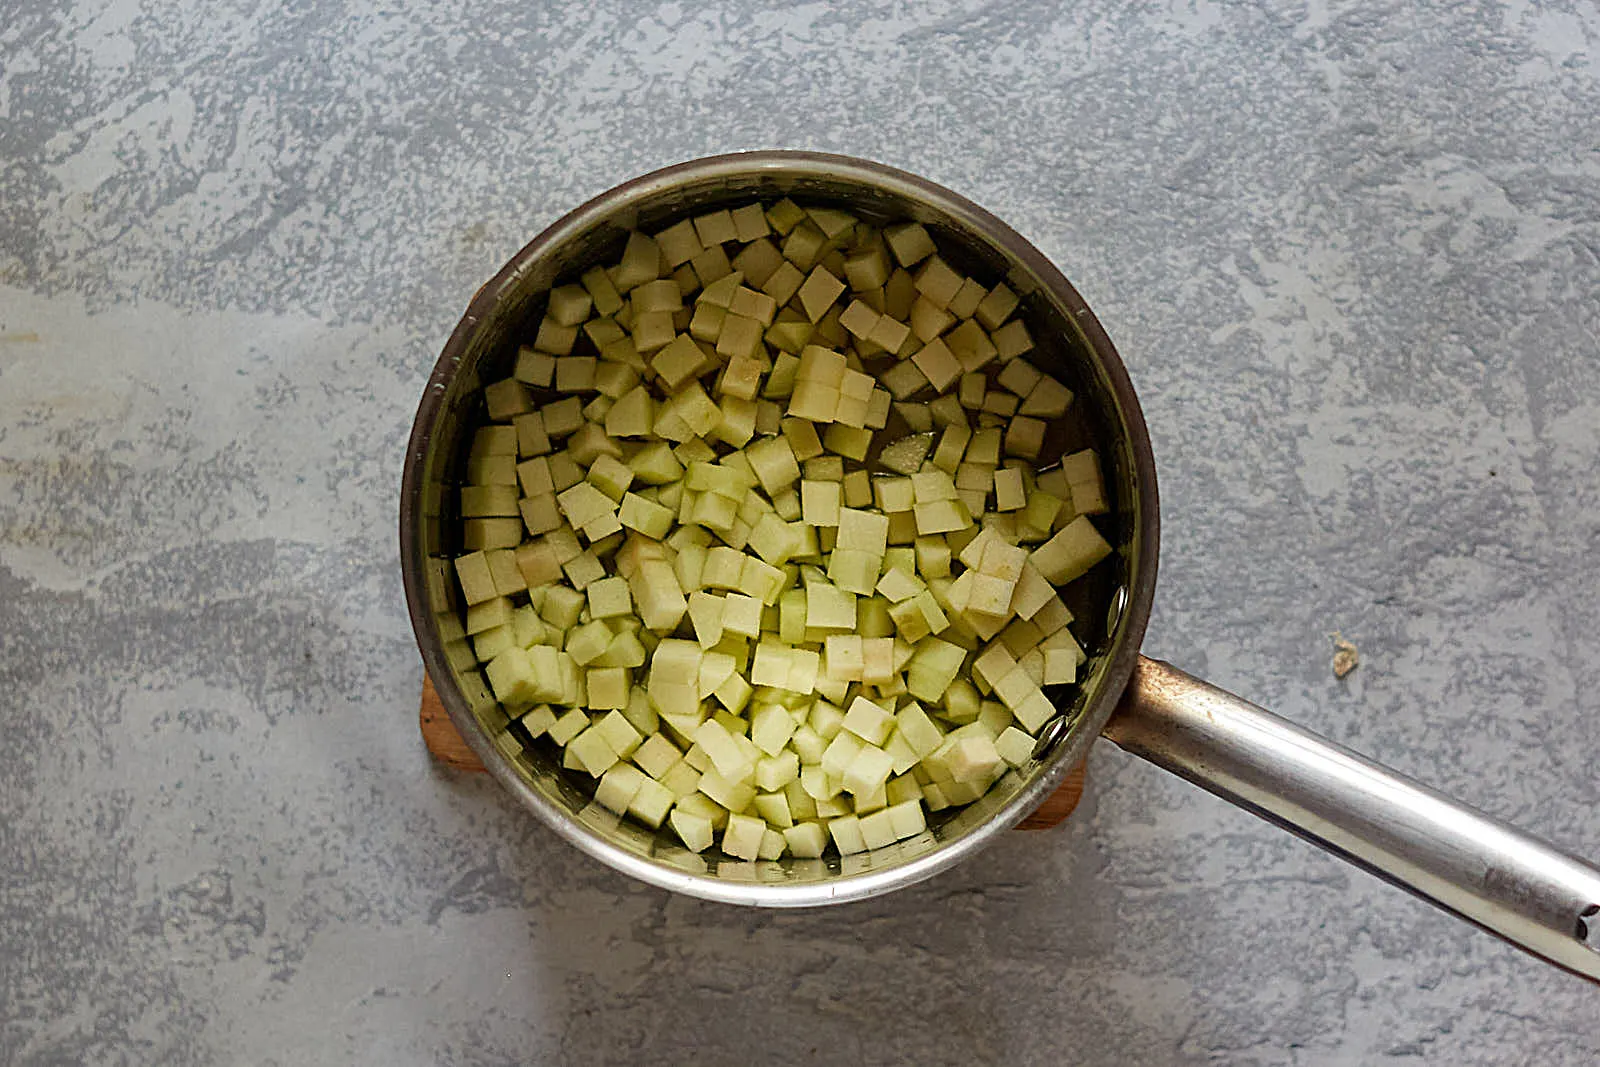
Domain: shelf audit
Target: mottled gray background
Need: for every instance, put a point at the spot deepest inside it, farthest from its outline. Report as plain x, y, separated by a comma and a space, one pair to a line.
1350, 253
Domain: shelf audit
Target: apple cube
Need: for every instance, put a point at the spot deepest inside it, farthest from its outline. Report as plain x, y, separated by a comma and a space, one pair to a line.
776, 772
868, 721
966, 300
656, 755
774, 808
802, 437
1010, 492
898, 585
651, 803
619, 733
591, 752
990, 595
918, 731
863, 531
608, 688
933, 667
609, 597
806, 840
819, 502
996, 306
846, 834
854, 571
1048, 398
477, 582
727, 756
842, 657
511, 676
1071, 552
938, 364
941, 516
568, 726
907, 818
829, 607
695, 831
910, 243
618, 786
867, 771
774, 463
488, 614
742, 838
969, 759
762, 580
741, 614
937, 282
1060, 666
771, 726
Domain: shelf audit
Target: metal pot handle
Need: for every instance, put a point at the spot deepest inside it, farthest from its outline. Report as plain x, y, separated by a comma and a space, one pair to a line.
1460, 859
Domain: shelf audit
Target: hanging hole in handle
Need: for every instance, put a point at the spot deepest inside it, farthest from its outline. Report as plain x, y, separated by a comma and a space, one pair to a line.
1584, 931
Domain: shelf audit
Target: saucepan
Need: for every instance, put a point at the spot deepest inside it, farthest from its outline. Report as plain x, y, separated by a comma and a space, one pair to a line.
1453, 856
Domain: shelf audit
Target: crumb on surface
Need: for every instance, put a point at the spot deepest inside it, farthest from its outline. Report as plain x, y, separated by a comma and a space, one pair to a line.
1346, 657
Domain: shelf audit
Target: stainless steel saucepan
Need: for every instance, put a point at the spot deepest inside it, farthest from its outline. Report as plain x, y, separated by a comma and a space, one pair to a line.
1459, 859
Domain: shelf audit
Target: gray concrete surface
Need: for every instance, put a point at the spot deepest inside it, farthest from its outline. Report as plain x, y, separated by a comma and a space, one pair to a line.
1350, 252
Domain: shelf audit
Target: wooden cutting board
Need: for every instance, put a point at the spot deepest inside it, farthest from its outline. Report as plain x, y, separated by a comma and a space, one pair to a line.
447, 746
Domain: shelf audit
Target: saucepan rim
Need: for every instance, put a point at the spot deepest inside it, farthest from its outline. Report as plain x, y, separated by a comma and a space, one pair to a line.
1135, 596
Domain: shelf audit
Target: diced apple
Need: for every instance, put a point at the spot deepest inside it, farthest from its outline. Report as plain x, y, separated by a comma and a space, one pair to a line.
1071, 552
